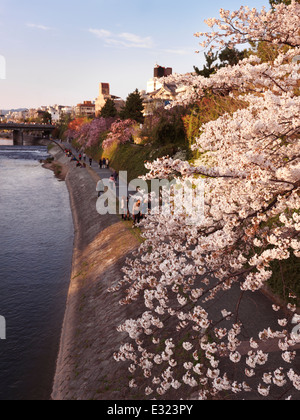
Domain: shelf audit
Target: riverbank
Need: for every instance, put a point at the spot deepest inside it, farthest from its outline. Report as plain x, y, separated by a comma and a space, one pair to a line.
85, 365
60, 171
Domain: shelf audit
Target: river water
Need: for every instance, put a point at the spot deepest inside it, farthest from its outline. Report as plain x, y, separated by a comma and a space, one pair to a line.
36, 244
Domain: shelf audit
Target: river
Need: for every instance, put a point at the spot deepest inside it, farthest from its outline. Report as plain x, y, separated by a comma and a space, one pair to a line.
36, 234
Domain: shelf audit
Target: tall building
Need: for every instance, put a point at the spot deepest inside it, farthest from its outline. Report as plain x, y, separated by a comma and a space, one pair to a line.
162, 71
156, 82
104, 95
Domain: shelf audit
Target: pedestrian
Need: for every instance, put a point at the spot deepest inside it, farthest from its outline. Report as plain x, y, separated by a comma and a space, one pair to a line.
80, 156
107, 163
116, 176
84, 157
103, 163
91, 161
136, 213
100, 163
127, 207
112, 182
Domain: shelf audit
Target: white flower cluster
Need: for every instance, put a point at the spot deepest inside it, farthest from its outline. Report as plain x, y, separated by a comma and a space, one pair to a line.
251, 165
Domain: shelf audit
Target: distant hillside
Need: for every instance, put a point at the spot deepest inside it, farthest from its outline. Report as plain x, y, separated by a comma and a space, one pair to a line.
6, 111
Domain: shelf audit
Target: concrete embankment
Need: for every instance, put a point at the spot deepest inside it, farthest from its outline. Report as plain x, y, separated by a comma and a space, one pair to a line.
85, 366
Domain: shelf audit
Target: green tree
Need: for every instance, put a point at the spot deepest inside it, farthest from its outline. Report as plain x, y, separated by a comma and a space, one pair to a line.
169, 128
109, 109
231, 56
133, 108
209, 68
228, 56
47, 118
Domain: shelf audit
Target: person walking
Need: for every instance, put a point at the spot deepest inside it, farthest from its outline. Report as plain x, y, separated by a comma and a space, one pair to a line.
107, 163
112, 182
116, 176
136, 213
91, 161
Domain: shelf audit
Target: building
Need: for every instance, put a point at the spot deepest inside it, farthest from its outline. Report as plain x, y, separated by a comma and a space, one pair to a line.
159, 93
69, 110
54, 111
104, 95
87, 109
156, 82
159, 98
162, 71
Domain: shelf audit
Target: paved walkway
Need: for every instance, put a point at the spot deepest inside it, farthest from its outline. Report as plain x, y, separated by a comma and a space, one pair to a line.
86, 369
103, 173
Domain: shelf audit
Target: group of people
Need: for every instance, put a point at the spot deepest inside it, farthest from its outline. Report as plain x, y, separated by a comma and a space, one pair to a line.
103, 163
81, 157
140, 208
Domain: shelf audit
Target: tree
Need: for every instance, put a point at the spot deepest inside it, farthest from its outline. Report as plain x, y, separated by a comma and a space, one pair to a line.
276, 2
133, 108
46, 118
209, 68
109, 109
168, 127
231, 56
121, 133
88, 133
228, 56
194, 279
276, 26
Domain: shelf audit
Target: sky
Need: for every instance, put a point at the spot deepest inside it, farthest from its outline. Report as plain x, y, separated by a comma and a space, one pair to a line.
58, 52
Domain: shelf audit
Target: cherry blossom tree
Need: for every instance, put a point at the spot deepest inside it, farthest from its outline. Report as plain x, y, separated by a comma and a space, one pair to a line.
87, 133
194, 279
121, 132
277, 26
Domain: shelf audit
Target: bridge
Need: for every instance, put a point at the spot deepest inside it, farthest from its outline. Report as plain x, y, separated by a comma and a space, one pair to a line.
18, 130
